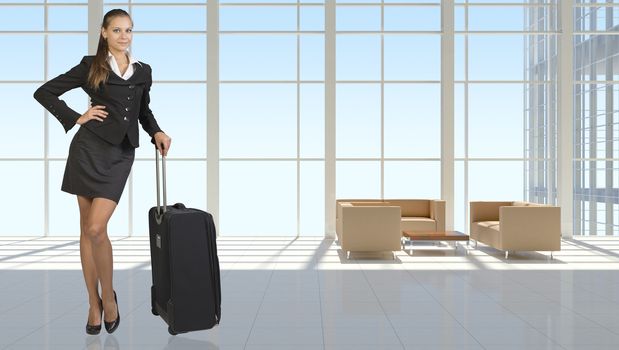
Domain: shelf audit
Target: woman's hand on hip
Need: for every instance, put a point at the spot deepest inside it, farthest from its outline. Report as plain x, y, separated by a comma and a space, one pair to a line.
94, 112
162, 142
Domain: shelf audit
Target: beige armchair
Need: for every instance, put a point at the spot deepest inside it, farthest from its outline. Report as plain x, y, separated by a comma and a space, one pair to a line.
417, 214
368, 227
516, 226
421, 214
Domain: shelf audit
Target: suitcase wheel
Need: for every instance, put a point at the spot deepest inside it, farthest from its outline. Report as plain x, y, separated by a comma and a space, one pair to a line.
154, 312
171, 331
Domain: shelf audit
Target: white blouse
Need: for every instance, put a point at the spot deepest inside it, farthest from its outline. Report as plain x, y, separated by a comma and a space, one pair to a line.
114, 65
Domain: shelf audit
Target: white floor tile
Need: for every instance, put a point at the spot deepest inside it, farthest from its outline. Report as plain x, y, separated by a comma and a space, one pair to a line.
549, 324
288, 320
494, 322
411, 307
444, 347
585, 336
70, 337
275, 295
349, 307
523, 336
439, 319
454, 336
354, 321
535, 308
292, 308
519, 347
35, 347
360, 336
286, 336
589, 347
363, 347
282, 347
9, 335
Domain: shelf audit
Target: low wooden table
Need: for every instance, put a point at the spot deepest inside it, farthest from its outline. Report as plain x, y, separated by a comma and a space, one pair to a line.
434, 236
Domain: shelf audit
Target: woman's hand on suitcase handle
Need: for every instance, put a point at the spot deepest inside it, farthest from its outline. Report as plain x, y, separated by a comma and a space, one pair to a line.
94, 112
162, 142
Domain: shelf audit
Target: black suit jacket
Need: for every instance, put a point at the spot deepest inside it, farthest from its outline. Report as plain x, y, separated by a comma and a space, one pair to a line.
126, 102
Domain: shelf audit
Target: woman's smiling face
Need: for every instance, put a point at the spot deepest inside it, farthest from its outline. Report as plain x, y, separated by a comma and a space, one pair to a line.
118, 34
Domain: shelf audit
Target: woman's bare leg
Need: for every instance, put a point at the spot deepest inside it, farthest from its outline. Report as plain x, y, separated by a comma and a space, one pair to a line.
88, 264
100, 212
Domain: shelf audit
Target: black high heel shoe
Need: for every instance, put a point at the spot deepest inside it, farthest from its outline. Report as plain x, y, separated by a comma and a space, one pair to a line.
94, 330
110, 327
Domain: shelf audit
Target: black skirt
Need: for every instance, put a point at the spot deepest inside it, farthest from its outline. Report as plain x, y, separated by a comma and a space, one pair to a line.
97, 168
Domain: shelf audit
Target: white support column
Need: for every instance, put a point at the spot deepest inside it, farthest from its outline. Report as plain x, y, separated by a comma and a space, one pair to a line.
129, 189
46, 133
298, 117
447, 111
330, 88
95, 16
212, 114
565, 176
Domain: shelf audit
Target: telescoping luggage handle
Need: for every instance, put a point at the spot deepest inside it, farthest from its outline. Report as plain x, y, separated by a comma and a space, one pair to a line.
160, 212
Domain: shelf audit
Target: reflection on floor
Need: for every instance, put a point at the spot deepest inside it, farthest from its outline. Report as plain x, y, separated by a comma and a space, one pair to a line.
282, 293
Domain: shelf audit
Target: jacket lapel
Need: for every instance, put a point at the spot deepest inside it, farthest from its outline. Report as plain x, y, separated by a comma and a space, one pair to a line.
138, 77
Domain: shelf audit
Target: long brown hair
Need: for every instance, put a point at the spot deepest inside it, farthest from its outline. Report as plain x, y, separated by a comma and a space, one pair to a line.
100, 69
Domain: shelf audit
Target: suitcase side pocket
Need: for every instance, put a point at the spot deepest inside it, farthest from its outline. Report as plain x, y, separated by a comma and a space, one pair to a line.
215, 273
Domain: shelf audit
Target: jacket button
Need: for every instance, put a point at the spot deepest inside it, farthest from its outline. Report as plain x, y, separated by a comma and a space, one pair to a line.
129, 98
131, 86
127, 109
125, 118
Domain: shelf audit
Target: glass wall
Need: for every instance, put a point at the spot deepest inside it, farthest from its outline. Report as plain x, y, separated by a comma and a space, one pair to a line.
541, 105
40, 40
271, 90
505, 102
596, 118
271, 118
388, 103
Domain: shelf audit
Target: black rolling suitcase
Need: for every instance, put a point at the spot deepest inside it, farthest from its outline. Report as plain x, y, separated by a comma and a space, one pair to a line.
186, 289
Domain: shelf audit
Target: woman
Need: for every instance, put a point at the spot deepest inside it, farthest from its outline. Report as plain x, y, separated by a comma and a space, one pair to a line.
102, 151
